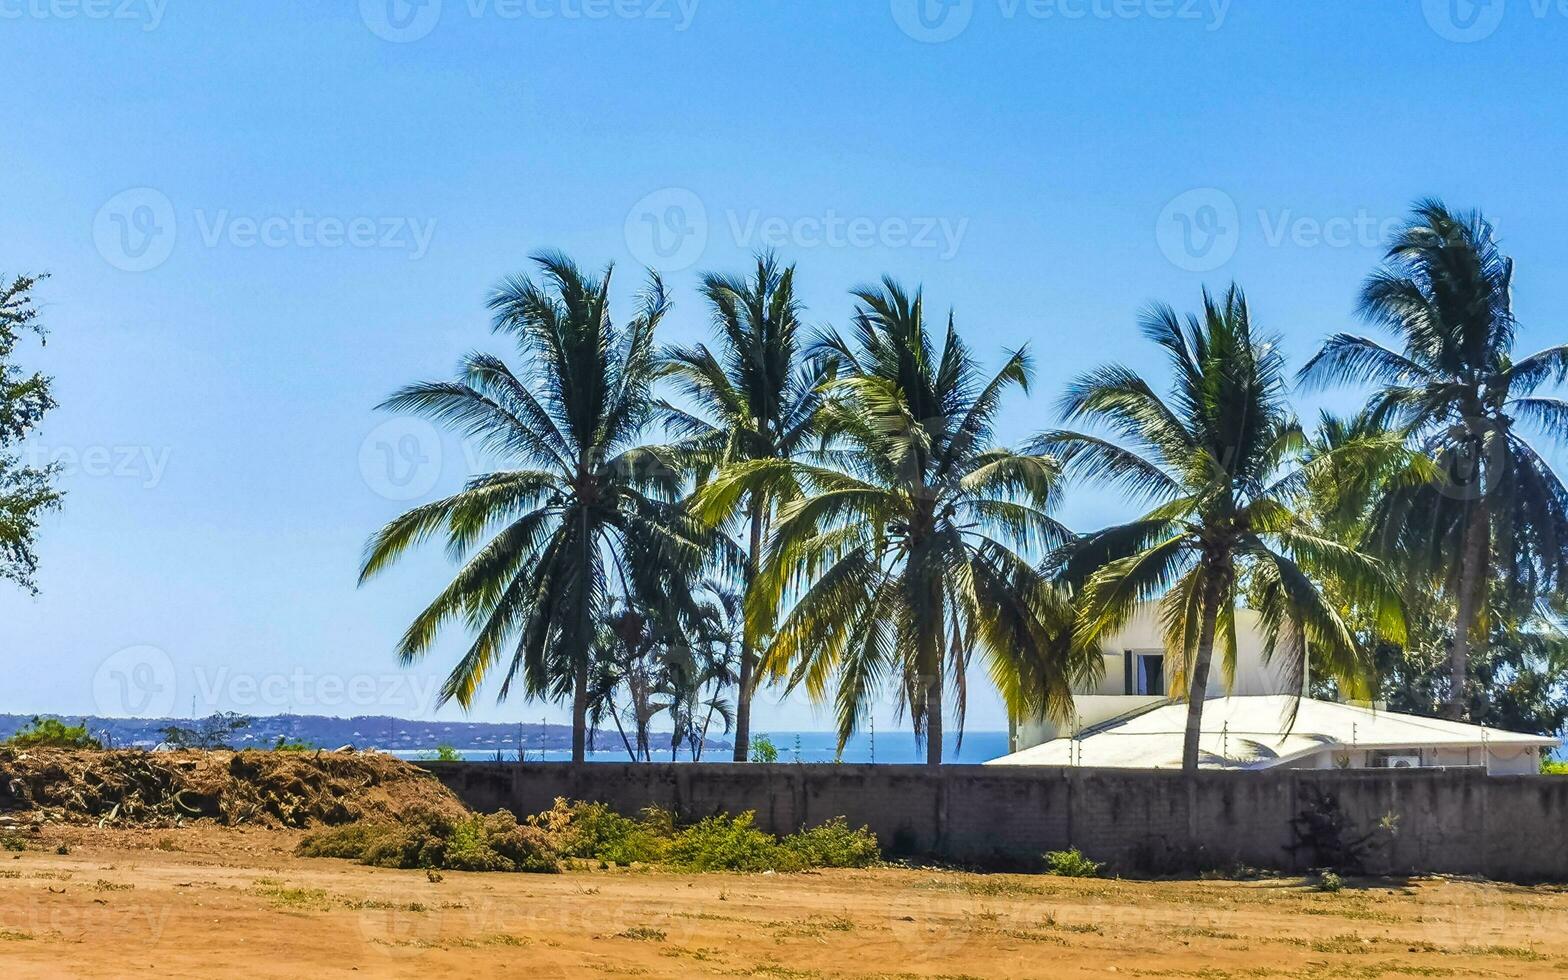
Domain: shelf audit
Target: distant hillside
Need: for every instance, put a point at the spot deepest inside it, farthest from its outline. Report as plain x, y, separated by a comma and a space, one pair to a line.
365, 732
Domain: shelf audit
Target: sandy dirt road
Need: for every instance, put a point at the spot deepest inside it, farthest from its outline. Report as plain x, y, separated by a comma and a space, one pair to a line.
227, 903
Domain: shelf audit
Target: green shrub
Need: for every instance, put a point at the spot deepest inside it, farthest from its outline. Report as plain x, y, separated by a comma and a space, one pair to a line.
442, 753
482, 842
352, 841
593, 831
53, 734
1553, 767
286, 744
763, 749
834, 845
1329, 881
1072, 864
729, 844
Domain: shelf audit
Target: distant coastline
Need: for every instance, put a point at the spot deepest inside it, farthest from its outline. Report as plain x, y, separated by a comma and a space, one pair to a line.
398, 735
540, 742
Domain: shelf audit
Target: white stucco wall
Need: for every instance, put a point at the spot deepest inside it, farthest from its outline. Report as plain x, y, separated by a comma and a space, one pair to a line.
1105, 697
1254, 676
1499, 762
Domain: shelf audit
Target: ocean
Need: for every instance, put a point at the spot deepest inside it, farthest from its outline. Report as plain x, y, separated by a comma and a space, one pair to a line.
895, 748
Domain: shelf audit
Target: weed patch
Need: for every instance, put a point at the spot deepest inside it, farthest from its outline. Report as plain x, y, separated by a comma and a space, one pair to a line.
1071, 864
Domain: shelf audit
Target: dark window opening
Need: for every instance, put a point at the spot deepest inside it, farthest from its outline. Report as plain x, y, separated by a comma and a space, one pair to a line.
1150, 675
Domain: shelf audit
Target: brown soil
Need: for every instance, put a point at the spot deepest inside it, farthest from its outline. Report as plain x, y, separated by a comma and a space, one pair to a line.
268, 789
210, 901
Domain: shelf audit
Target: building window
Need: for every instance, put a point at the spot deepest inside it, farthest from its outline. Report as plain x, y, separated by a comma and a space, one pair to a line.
1145, 674
1151, 674
1396, 759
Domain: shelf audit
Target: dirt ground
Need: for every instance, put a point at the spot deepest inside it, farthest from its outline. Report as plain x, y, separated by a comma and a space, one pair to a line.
210, 902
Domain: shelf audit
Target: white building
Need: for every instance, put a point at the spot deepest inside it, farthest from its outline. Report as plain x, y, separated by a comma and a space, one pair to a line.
1130, 720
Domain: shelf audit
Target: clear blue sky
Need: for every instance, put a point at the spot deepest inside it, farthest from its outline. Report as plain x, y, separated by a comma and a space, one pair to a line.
221, 333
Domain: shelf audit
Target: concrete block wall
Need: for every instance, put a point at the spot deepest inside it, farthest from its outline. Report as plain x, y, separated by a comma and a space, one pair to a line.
1444, 820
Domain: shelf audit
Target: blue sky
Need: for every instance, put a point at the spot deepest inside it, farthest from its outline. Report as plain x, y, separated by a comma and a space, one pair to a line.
261, 218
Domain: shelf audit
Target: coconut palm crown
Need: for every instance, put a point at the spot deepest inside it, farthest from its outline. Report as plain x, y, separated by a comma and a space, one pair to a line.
755, 398
906, 553
1496, 513
582, 511
1214, 459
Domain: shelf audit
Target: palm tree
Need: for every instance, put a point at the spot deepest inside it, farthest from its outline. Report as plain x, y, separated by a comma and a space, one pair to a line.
586, 504
1498, 512
754, 399
901, 560
1213, 459
711, 667
654, 656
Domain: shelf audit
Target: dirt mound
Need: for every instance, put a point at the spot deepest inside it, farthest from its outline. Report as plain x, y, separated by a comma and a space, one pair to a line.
268, 789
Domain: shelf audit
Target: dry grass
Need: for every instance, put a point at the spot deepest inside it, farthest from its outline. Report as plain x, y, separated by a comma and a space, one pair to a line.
126, 902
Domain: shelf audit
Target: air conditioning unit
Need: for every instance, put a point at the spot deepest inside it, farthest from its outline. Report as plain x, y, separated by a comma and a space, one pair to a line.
1403, 762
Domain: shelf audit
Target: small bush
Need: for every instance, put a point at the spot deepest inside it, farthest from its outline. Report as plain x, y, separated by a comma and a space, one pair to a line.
1329, 881
492, 842
286, 744
763, 749
729, 844
1553, 767
1072, 864
53, 734
834, 845
593, 831
11, 842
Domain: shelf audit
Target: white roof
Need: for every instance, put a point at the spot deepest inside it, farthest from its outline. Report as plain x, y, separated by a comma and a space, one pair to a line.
1257, 733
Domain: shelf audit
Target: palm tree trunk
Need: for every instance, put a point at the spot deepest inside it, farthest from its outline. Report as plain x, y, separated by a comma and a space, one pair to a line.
747, 654
934, 722
622, 729
584, 621
1198, 683
580, 713
931, 676
1472, 587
